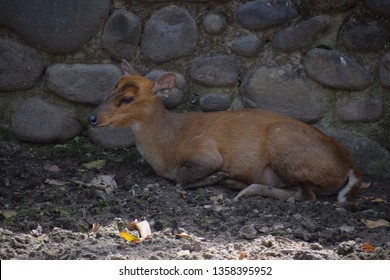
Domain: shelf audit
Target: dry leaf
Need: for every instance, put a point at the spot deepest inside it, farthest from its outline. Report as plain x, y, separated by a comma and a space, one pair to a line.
105, 182
80, 183
37, 232
375, 224
217, 199
377, 200
367, 247
242, 255
128, 237
94, 229
54, 182
51, 167
97, 164
144, 230
183, 235
365, 185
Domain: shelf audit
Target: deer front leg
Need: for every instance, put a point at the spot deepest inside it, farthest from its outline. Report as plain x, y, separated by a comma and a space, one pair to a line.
200, 171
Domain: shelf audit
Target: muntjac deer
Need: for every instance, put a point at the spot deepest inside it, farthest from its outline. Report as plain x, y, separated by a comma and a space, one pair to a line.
253, 150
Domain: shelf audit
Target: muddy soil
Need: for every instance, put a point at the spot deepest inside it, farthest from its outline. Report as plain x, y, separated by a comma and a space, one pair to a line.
48, 208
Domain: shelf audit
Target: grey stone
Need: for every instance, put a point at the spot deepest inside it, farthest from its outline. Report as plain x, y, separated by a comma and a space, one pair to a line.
21, 67
248, 232
263, 14
170, 33
283, 90
384, 70
55, 26
218, 70
371, 158
346, 248
333, 5
214, 24
359, 109
334, 69
248, 45
304, 34
37, 121
381, 7
111, 138
82, 83
363, 36
176, 95
121, 35
214, 102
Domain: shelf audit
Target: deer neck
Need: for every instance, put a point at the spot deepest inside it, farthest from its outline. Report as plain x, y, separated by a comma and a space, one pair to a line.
155, 138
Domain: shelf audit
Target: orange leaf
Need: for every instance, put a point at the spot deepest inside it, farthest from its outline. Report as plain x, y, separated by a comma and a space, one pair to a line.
128, 237
132, 225
367, 247
242, 255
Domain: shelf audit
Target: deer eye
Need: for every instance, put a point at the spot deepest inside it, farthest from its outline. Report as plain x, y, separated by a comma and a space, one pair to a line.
125, 100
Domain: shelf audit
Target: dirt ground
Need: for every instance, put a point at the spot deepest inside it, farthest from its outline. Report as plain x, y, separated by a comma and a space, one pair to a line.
48, 208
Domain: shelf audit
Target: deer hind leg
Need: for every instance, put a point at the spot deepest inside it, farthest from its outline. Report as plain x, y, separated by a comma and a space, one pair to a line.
299, 194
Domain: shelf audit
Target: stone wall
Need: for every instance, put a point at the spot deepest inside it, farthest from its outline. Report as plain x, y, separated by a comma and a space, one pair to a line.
326, 63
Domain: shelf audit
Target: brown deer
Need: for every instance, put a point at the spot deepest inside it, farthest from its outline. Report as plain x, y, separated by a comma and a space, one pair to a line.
256, 151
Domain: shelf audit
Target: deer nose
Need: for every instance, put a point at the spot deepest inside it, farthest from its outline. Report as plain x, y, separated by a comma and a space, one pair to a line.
93, 120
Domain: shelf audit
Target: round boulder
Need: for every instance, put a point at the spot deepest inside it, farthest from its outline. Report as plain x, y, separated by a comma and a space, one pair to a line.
334, 69
170, 33
218, 70
37, 121
55, 26
21, 67
82, 83
283, 90
214, 102
263, 14
121, 35
214, 24
248, 45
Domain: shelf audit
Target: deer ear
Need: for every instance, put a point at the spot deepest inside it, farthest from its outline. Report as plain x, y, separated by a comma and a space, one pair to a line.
126, 68
164, 83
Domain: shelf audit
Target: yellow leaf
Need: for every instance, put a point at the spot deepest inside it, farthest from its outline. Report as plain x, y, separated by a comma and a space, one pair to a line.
375, 224
97, 164
8, 214
128, 237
